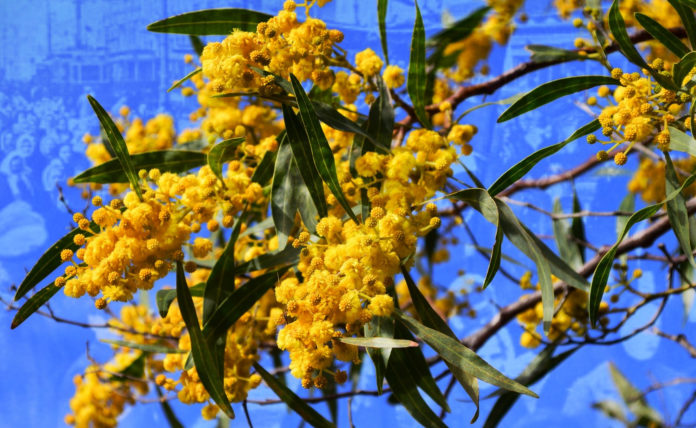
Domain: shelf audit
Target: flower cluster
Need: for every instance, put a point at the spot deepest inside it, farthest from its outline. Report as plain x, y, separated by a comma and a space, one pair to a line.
649, 179
639, 113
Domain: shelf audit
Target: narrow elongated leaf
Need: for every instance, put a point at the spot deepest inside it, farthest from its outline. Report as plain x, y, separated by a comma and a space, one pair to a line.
157, 349
431, 319
164, 160
210, 22
603, 269
676, 211
683, 8
541, 365
50, 260
197, 44
378, 342
287, 256
541, 53
206, 365
379, 327
618, 30
332, 117
681, 142
484, 203
220, 283
264, 170
33, 304
406, 371
531, 246
167, 409
460, 29
567, 247
184, 79
683, 67
635, 400
505, 101
381, 119
302, 153
577, 227
459, 355
114, 140
165, 297
551, 91
416, 81
321, 151
382, 17
219, 152
403, 381
663, 35
237, 303
283, 207
525, 165
294, 402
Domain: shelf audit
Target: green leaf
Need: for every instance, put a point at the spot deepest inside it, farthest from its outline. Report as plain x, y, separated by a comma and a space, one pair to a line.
541, 365
508, 100
33, 304
603, 269
683, 8
380, 122
683, 67
663, 35
677, 212
206, 365
378, 342
569, 250
321, 151
50, 260
618, 30
114, 140
184, 79
167, 409
459, 30
459, 355
382, 16
681, 142
531, 246
237, 303
406, 371
219, 152
210, 22
220, 283
336, 120
197, 44
577, 228
303, 199
416, 82
525, 165
294, 402
302, 153
484, 203
551, 91
164, 160
635, 400
136, 369
264, 170
165, 297
157, 349
287, 256
431, 319
379, 327
283, 200
541, 53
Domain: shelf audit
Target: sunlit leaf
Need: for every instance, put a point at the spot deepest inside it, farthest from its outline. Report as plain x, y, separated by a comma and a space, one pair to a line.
416, 81
220, 151
663, 35
210, 22
33, 304
164, 160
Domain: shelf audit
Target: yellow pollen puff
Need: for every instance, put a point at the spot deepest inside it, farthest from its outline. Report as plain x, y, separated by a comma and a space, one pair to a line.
303, 237
97, 201
616, 73
79, 239
431, 208
377, 213
603, 91
188, 58
435, 222
100, 303
145, 274
577, 23
80, 254
210, 411
190, 266
393, 76
70, 271
368, 63
340, 377
66, 255
637, 273
116, 204
59, 282
213, 225
142, 173
113, 277
124, 111
620, 158
154, 174
445, 106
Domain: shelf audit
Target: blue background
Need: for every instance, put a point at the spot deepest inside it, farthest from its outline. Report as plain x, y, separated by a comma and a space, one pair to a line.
54, 52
